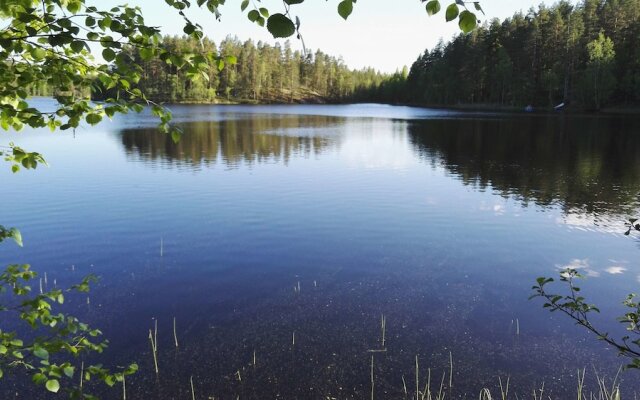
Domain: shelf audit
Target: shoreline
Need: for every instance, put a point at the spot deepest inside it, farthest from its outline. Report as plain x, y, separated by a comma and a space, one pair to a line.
622, 110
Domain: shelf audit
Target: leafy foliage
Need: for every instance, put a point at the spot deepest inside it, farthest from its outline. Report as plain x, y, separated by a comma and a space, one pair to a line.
575, 306
54, 337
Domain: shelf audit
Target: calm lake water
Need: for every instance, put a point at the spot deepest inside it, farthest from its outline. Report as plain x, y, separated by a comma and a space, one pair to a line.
306, 224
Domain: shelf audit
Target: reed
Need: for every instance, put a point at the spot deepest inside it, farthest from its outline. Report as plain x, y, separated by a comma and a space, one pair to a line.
153, 351
541, 390
504, 391
427, 386
383, 323
417, 379
581, 383
441, 393
193, 392
175, 335
124, 387
372, 379
81, 375
450, 375
161, 247
155, 333
605, 393
604, 390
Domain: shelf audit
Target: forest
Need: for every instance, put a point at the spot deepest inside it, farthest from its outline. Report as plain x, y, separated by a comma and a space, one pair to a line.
586, 55
259, 73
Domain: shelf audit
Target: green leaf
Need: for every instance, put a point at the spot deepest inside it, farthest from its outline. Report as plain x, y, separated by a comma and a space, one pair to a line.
175, 136
290, 2
77, 46
452, 12
38, 53
264, 12
146, 53
478, 7
244, 5
74, 6
280, 26
345, 8
93, 118
108, 55
53, 385
68, 371
41, 353
16, 235
189, 29
467, 21
39, 378
433, 7
253, 15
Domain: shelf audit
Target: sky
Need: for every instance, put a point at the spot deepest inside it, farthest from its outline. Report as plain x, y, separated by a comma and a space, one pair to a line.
383, 34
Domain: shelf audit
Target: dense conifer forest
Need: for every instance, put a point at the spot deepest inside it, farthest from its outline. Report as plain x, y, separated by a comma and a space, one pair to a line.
586, 54
259, 73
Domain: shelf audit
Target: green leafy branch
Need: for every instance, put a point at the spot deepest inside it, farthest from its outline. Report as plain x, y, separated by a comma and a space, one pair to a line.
575, 306
467, 19
19, 157
54, 336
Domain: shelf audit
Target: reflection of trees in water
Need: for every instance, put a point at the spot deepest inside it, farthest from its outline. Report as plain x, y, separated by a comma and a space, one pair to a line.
250, 140
589, 165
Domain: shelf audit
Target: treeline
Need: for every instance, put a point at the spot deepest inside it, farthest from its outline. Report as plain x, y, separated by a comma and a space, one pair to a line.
262, 73
586, 54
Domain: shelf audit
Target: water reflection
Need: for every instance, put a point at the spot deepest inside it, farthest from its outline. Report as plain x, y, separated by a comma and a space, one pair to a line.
373, 217
584, 165
233, 141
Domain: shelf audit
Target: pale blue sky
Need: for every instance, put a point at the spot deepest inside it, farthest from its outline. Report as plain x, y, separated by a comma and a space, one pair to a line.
384, 34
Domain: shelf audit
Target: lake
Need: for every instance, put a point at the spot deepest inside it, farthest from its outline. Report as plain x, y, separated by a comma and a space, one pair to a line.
279, 236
